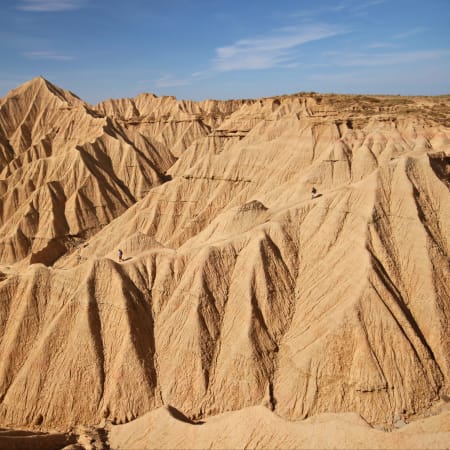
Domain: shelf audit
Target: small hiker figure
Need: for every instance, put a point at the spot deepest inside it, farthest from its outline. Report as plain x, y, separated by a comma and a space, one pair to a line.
314, 193
120, 253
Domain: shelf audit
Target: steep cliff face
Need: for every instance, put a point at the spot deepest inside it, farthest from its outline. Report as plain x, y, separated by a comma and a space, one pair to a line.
66, 171
238, 289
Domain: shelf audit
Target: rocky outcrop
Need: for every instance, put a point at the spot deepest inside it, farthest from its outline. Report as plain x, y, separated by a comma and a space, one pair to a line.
67, 171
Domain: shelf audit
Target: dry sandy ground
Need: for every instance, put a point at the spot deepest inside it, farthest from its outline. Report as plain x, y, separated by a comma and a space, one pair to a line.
253, 427
256, 427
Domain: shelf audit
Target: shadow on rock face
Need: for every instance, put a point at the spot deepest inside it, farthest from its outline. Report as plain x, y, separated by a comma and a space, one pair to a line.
176, 414
440, 163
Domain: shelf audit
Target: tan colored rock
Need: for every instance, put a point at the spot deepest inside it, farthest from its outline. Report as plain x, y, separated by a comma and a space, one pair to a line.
24, 440
67, 171
237, 288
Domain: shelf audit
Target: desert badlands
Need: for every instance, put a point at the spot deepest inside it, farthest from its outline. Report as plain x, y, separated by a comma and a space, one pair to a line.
246, 312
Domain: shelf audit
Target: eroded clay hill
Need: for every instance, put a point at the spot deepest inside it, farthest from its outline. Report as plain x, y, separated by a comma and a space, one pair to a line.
238, 289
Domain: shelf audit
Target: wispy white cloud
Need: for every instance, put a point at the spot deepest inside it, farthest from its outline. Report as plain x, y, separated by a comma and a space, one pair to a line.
409, 33
50, 5
392, 80
385, 59
48, 55
375, 45
309, 13
169, 81
347, 6
397, 37
367, 4
271, 51
200, 74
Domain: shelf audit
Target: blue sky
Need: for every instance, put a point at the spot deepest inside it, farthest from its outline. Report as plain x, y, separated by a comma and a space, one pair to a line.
197, 49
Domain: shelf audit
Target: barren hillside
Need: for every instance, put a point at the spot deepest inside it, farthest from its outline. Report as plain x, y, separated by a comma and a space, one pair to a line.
238, 289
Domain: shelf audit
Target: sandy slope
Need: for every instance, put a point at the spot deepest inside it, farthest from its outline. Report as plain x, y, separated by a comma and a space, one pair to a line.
238, 289
256, 427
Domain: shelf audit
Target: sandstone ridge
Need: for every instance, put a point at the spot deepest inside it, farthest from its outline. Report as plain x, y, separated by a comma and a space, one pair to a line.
238, 289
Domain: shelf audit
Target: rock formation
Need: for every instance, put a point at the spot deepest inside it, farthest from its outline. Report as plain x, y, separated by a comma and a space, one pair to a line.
66, 171
238, 289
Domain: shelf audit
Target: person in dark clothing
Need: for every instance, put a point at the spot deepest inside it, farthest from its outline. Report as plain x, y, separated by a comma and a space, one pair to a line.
314, 193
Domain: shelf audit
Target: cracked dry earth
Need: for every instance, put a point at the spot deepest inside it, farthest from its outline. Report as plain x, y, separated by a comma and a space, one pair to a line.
245, 313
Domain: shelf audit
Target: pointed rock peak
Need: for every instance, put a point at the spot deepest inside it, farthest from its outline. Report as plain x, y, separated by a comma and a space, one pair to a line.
35, 83
39, 81
64, 94
44, 86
